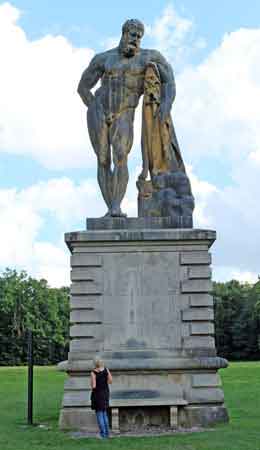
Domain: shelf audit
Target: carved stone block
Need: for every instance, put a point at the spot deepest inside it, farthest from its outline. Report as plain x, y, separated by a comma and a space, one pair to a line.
140, 299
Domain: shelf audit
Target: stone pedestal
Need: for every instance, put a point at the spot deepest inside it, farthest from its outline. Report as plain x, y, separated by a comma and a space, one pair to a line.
141, 299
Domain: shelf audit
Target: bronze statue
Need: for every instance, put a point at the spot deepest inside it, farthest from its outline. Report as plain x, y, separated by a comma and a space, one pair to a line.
111, 110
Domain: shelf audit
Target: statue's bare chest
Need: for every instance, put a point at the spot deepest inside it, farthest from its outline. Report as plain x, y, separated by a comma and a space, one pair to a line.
119, 65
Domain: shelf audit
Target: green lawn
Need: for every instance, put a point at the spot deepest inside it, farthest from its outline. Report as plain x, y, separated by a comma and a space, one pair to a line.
242, 392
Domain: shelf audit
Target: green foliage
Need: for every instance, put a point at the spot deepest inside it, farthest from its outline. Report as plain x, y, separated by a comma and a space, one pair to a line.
237, 320
241, 382
26, 303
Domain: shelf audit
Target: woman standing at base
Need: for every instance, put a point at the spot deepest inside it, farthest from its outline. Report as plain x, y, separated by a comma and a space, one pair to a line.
100, 379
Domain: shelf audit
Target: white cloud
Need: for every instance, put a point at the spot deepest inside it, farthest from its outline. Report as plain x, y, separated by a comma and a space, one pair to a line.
217, 116
217, 106
52, 263
111, 42
26, 214
59, 203
63, 199
201, 190
224, 273
174, 36
255, 156
40, 112
244, 277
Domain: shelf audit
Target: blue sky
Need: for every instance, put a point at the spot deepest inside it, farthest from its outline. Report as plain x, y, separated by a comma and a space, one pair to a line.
48, 169
89, 22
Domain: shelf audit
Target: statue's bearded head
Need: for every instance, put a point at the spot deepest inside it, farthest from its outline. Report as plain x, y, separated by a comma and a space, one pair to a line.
132, 33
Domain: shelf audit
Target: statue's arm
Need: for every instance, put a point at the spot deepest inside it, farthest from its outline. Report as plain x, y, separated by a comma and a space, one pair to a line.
89, 78
168, 87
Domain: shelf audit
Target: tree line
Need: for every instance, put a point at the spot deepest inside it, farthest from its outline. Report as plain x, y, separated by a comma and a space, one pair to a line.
237, 320
30, 304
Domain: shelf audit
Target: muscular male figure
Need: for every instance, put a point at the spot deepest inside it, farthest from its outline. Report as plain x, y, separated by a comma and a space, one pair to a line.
111, 110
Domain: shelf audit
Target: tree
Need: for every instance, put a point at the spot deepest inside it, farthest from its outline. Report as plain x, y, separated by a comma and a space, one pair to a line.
236, 321
27, 303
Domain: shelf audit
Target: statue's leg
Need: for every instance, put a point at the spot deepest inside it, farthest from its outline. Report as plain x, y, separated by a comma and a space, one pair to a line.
98, 133
121, 138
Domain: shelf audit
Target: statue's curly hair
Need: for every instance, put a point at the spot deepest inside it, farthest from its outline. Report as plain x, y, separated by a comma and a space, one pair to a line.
133, 23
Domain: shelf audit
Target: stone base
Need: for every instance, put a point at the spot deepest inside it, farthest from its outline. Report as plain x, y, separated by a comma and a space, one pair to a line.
140, 298
144, 417
146, 398
138, 223
139, 418
202, 416
78, 419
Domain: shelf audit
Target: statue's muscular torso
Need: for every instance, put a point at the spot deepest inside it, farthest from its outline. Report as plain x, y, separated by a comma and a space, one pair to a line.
122, 82
122, 78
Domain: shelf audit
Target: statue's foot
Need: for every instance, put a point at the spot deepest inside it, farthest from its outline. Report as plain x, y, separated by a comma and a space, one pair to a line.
115, 211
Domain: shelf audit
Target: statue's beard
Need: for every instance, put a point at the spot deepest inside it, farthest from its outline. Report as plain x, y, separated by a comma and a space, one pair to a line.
127, 48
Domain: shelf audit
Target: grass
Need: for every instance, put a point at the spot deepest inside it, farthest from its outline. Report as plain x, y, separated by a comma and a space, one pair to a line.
242, 393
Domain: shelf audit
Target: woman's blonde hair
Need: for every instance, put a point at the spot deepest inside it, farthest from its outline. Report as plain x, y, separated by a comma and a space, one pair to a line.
98, 362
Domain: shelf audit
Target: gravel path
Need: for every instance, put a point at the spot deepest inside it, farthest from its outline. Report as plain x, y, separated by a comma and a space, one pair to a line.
152, 431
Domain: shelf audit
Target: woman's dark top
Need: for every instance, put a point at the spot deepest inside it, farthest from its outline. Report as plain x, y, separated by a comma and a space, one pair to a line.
102, 390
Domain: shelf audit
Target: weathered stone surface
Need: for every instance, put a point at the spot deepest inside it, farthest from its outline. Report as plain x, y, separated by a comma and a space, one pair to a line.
86, 287
150, 386
141, 402
74, 398
115, 420
199, 342
84, 344
89, 274
86, 259
87, 330
87, 355
200, 328
167, 194
89, 315
142, 246
196, 236
78, 419
206, 380
137, 392
198, 314
205, 395
90, 301
130, 223
150, 364
140, 297
200, 299
156, 339
196, 286
204, 416
188, 258
173, 417
141, 417
78, 384
195, 272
